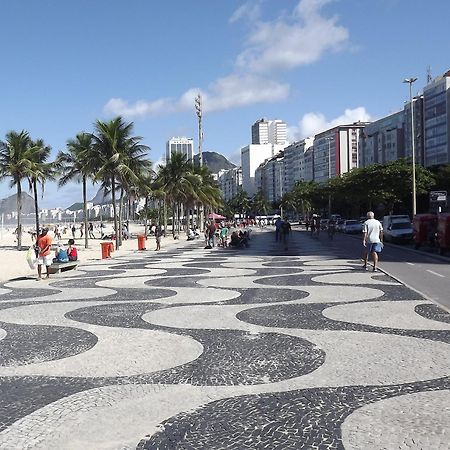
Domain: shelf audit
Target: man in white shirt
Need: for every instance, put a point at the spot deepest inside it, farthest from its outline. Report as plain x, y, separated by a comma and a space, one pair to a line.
372, 239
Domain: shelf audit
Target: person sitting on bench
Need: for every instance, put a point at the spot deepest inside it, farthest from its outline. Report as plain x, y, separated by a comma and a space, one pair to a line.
61, 254
72, 252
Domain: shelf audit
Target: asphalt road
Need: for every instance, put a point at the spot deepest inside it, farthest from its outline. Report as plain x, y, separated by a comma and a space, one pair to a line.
423, 272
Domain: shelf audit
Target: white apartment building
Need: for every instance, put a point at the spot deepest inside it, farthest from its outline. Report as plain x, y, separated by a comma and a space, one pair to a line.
182, 145
294, 162
251, 157
270, 177
436, 98
229, 182
269, 132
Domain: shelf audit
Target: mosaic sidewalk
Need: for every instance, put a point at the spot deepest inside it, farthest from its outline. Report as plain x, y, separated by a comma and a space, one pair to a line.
259, 348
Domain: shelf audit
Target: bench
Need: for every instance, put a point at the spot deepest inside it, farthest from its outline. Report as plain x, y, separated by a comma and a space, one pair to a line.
57, 267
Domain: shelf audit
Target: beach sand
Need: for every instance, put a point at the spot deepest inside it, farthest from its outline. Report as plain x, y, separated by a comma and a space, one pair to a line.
14, 263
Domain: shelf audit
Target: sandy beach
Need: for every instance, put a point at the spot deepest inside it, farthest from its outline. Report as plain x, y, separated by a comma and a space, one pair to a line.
14, 263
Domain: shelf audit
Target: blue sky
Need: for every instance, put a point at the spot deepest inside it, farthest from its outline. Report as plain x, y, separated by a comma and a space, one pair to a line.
312, 63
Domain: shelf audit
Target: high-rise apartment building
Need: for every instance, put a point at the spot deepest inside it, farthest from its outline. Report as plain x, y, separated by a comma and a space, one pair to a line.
436, 105
182, 145
383, 140
269, 132
336, 151
294, 162
268, 138
229, 182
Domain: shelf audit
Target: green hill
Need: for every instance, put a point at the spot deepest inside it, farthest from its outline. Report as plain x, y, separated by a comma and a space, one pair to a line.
215, 161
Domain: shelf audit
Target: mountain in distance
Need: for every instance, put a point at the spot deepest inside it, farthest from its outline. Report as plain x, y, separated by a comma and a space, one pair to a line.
215, 161
9, 204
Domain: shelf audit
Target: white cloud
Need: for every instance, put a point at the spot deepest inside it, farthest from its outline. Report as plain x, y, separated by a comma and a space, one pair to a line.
224, 93
141, 108
249, 10
315, 122
291, 41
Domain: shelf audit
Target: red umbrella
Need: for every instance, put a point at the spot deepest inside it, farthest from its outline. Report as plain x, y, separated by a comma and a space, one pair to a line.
216, 216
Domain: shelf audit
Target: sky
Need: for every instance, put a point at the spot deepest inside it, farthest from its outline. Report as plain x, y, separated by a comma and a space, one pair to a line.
312, 63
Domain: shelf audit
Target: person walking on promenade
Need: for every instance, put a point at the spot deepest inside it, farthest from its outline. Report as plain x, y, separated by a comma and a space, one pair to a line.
44, 244
285, 232
73, 230
158, 234
91, 230
278, 224
372, 239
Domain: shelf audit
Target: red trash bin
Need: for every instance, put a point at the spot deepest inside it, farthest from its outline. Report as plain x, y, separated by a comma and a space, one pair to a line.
141, 241
105, 249
111, 248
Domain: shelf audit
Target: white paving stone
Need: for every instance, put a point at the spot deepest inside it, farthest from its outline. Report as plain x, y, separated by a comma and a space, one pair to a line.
2, 334
119, 351
386, 314
408, 422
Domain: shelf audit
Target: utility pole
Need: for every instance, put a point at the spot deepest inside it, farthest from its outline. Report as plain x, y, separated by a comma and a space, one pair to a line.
410, 81
199, 112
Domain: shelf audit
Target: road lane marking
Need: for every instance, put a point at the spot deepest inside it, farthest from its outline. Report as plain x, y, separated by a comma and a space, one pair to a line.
435, 273
410, 264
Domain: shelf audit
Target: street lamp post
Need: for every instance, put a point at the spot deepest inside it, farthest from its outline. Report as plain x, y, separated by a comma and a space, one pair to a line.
281, 193
329, 139
199, 112
410, 81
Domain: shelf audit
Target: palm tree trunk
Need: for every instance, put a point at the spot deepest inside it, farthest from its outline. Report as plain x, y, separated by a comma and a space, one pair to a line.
165, 215
19, 213
116, 228
146, 218
121, 208
86, 237
174, 207
36, 206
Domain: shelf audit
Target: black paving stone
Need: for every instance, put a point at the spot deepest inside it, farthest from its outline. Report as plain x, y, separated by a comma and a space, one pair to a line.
25, 344
433, 312
309, 419
309, 316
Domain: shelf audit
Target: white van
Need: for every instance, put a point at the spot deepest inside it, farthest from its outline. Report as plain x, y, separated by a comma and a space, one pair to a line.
397, 228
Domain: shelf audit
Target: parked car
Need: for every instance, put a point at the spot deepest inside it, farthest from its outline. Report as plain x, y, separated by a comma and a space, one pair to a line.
352, 227
397, 229
340, 225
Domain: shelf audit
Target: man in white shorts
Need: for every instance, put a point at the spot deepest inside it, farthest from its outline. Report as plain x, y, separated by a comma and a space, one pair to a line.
44, 243
372, 239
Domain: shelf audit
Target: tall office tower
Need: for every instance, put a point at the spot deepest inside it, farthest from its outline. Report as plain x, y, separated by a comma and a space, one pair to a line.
260, 132
436, 103
277, 132
269, 132
182, 145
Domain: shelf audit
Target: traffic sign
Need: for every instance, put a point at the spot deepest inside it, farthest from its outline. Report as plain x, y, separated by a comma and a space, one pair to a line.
438, 197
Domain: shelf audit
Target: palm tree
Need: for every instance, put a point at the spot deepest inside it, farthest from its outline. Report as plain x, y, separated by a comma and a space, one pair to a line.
41, 171
79, 164
121, 158
177, 180
260, 204
208, 191
16, 162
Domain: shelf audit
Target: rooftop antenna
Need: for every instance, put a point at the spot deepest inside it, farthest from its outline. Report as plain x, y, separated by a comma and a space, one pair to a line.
429, 77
